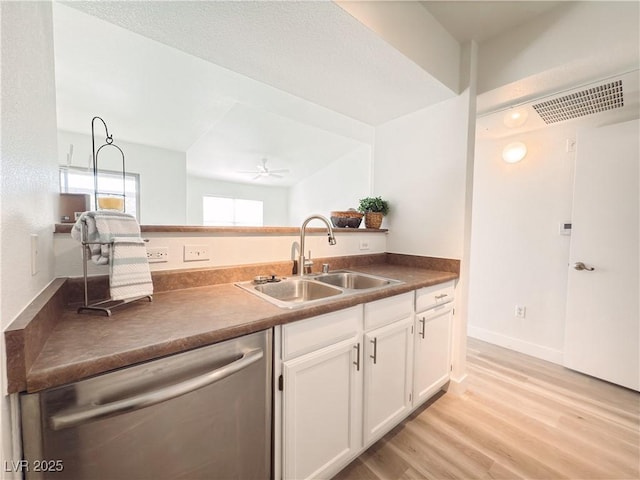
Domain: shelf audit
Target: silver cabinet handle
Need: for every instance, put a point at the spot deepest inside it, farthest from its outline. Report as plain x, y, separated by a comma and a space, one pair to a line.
582, 266
423, 321
147, 399
441, 296
375, 350
357, 362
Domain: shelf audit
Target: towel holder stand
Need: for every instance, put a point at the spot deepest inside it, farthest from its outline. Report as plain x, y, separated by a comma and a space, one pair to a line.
103, 306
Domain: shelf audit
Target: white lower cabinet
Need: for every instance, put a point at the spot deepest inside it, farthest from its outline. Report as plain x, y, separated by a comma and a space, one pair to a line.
321, 394
387, 377
347, 378
432, 352
322, 411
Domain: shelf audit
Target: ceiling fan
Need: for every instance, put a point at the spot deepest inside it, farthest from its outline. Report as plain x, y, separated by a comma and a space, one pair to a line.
264, 171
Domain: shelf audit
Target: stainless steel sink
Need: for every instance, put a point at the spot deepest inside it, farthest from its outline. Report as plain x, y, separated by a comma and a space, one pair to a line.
311, 289
297, 290
354, 280
292, 292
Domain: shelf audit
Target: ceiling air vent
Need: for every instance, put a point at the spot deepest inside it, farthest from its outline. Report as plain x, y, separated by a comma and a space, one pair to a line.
592, 100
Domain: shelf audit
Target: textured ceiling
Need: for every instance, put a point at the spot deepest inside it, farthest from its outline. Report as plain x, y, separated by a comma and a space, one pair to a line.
156, 95
232, 80
313, 50
181, 75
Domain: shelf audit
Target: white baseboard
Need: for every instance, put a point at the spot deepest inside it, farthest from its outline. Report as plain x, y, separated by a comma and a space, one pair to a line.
528, 348
457, 386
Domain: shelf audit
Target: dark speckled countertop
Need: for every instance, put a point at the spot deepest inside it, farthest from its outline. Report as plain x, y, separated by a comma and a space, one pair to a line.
80, 346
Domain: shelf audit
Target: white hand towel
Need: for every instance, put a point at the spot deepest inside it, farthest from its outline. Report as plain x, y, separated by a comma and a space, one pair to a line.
102, 227
129, 274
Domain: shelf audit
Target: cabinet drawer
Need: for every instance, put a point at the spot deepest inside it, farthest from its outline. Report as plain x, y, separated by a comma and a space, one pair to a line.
314, 333
387, 310
434, 295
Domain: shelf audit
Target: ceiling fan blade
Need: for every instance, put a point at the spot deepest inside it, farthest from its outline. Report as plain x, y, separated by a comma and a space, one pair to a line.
257, 176
275, 175
282, 170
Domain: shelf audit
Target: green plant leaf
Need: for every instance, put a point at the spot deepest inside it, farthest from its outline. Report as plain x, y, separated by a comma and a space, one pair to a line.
373, 204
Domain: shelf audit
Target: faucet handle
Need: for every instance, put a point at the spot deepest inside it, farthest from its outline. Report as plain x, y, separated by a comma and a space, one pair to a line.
308, 264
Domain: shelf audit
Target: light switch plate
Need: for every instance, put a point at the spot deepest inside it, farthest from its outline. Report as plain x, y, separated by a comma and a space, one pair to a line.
34, 253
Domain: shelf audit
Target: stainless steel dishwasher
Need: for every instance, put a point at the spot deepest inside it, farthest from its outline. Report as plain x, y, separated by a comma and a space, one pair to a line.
202, 414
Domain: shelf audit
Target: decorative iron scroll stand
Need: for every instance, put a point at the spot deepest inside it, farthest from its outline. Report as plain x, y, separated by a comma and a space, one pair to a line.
103, 306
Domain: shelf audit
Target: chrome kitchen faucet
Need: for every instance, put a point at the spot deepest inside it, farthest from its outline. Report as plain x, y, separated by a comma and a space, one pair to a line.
302, 263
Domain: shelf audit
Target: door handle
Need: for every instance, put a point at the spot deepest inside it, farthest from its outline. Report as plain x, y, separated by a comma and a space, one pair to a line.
423, 321
581, 266
357, 362
96, 412
375, 350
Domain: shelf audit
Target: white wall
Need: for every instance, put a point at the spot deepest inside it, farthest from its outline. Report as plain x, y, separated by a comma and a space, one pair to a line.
517, 254
29, 169
163, 173
422, 165
420, 168
338, 186
275, 199
226, 250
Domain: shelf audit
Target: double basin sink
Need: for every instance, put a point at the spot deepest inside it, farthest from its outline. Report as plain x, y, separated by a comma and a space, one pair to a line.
295, 292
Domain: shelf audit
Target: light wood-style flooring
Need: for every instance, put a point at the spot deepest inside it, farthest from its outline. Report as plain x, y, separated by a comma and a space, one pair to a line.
519, 418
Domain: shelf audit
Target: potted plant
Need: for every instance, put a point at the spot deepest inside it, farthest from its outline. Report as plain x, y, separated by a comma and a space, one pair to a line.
374, 208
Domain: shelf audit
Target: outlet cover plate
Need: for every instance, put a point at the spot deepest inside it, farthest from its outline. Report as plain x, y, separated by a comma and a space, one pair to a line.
157, 254
196, 253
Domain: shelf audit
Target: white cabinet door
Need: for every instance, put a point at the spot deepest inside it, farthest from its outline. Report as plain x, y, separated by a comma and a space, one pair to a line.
322, 411
388, 360
432, 352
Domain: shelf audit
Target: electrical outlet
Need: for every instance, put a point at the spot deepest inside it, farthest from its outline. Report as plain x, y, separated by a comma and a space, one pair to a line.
158, 254
196, 253
364, 244
521, 311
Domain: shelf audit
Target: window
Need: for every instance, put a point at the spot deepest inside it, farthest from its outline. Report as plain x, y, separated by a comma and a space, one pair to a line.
221, 211
77, 180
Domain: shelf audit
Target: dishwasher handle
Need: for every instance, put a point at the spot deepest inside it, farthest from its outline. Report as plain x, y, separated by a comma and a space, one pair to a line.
147, 399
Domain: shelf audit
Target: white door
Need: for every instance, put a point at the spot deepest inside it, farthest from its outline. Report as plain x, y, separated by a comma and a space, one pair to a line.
602, 333
387, 377
432, 352
322, 405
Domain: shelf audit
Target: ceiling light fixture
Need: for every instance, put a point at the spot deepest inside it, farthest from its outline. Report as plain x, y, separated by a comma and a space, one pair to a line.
514, 152
515, 118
